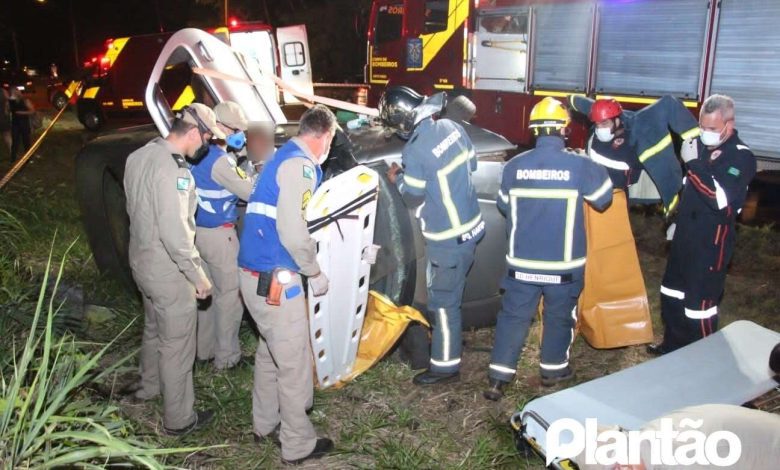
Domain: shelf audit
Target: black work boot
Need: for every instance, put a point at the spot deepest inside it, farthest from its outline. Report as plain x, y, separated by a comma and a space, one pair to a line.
431, 378
658, 349
202, 419
495, 389
321, 449
563, 376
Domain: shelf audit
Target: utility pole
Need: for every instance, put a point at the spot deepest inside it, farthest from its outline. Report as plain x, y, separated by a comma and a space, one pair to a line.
226, 13
73, 35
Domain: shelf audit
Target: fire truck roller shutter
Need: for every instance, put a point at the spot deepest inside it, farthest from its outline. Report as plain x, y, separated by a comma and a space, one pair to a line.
747, 69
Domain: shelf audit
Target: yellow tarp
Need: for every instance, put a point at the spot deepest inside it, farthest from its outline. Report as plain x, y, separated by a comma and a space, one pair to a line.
384, 324
613, 307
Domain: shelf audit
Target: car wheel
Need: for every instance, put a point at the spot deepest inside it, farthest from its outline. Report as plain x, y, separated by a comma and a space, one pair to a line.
59, 100
101, 197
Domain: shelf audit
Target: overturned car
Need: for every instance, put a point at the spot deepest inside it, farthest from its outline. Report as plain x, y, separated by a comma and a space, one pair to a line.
216, 73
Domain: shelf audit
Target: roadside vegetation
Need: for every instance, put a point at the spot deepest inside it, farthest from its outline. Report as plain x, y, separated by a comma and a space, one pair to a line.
70, 339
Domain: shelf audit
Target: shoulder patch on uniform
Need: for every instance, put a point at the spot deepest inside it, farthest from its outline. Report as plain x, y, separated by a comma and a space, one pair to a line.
240, 172
308, 172
305, 199
715, 154
180, 161
182, 184
733, 171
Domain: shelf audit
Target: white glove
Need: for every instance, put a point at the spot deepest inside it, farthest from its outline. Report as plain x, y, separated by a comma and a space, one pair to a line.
689, 150
369, 254
670, 232
318, 284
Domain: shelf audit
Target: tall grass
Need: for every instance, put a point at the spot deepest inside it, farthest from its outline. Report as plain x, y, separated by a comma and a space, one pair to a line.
47, 418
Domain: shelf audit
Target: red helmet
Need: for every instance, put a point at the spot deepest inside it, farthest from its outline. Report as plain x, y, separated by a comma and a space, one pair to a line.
605, 109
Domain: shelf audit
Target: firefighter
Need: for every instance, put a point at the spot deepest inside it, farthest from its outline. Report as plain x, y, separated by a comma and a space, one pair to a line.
220, 184
719, 168
609, 145
542, 193
438, 161
166, 265
276, 254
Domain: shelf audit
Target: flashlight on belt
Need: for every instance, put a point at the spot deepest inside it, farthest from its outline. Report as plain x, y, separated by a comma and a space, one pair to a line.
279, 278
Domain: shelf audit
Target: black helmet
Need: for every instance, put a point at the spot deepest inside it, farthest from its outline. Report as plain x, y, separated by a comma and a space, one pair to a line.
396, 108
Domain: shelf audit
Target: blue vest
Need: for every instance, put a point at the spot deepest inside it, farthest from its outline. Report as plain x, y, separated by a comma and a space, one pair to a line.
261, 250
216, 205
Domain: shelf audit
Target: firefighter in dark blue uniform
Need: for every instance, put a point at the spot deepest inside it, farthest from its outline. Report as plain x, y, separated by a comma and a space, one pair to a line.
720, 167
542, 193
609, 145
439, 159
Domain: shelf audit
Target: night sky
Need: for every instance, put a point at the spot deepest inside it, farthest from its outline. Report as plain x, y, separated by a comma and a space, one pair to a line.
44, 33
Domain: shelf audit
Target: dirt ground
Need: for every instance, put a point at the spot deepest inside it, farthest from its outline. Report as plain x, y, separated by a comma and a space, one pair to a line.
380, 420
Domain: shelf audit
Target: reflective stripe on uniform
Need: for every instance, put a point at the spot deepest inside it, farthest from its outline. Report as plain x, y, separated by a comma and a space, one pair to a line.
214, 193
570, 195
554, 366
601, 191
657, 148
444, 186
502, 369
690, 134
701, 314
545, 265
453, 362
503, 196
607, 162
445, 334
414, 182
453, 232
260, 208
677, 294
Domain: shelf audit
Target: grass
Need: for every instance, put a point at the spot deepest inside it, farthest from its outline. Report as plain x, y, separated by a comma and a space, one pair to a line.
378, 421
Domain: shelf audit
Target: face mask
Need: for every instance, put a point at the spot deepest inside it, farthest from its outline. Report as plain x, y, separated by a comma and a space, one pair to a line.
604, 134
236, 141
710, 138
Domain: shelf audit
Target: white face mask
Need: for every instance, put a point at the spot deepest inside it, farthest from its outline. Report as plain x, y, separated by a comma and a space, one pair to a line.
710, 138
604, 134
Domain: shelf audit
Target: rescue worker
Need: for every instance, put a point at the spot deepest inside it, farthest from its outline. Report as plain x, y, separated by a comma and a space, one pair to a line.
277, 254
220, 183
438, 161
609, 145
719, 168
542, 193
166, 265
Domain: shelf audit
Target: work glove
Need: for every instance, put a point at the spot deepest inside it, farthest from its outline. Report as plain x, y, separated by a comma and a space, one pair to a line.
318, 284
689, 150
370, 252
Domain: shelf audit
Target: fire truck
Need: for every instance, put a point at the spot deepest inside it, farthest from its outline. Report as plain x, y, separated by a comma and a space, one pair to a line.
116, 80
505, 55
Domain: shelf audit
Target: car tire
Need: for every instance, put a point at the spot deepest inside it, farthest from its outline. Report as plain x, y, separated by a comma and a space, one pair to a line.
90, 115
100, 169
59, 100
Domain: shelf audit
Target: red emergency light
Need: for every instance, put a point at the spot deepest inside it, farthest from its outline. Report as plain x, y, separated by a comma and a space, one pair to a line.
233, 22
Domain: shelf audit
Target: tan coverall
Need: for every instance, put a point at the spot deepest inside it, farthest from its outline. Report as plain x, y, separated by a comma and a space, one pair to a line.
283, 382
219, 323
166, 266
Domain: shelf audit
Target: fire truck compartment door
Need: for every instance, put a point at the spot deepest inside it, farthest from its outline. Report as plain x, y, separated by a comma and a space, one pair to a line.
294, 60
747, 71
500, 49
218, 74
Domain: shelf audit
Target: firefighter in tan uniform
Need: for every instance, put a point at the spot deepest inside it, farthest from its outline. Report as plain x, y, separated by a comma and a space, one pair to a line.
276, 252
166, 264
220, 184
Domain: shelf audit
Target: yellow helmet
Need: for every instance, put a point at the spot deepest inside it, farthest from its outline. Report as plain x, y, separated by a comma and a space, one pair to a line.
548, 115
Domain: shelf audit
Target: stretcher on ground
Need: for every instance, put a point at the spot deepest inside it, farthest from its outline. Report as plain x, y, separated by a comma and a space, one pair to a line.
728, 367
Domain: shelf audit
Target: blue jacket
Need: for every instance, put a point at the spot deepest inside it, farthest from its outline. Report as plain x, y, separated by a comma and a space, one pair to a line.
261, 249
542, 193
438, 161
216, 205
648, 131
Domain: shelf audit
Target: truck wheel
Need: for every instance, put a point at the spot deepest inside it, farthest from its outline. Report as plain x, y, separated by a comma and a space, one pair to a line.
101, 196
59, 100
90, 115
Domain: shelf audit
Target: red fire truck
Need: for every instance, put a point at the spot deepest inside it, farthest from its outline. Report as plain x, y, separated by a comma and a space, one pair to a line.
507, 54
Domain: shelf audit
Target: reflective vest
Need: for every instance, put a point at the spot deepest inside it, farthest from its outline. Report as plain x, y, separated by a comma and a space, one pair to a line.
216, 205
542, 193
438, 161
261, 249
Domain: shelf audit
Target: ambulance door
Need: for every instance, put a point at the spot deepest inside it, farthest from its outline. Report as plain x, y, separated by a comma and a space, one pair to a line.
294, 60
